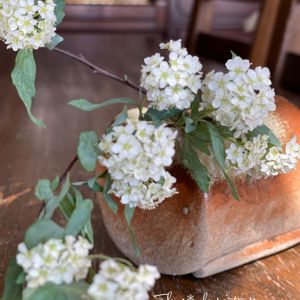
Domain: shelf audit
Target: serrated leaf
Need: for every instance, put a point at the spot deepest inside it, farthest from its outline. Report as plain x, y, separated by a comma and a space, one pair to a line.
59, 11
88, 150
23, 77
85, 105
43, 190
107, 197
57, 39
41, 231
74, 291
192, 163
12, 290
79, 218
264, 130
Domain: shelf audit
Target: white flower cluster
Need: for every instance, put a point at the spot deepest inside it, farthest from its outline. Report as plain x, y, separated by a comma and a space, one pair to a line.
242, 97
27, 23
136, 155
171, 83
117, 281
57, 261
255, 159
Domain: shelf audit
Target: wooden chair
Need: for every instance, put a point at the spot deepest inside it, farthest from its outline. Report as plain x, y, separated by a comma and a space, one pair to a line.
266, 46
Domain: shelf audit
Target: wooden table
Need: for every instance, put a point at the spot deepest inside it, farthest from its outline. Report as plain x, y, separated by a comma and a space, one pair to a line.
28, 153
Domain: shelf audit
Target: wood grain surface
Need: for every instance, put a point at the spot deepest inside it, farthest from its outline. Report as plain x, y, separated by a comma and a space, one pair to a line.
28, 153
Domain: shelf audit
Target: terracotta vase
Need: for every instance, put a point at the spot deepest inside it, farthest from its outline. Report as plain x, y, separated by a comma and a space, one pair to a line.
191, 233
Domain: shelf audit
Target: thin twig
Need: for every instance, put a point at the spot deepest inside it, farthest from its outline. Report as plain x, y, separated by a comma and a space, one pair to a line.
98, 70
68, 169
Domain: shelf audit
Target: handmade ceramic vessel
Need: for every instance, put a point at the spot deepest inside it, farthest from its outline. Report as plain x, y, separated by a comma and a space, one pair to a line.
204, 235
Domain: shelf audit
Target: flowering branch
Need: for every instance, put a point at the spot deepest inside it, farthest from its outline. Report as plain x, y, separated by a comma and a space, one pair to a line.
98, 70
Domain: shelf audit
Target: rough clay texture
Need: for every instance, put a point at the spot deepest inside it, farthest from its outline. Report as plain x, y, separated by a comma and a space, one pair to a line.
190, 233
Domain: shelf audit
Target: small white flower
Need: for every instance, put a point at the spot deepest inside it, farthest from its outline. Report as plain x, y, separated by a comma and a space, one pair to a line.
27, 24
55, 261
172, 83
242, 97
136, 161
116, 281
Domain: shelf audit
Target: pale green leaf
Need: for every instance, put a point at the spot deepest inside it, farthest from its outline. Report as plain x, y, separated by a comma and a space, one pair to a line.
54, 202
107, 197
57, 39
41, 231
23, 78
88, 106
264, 130
74, 291
43, 190
59, 11
12, 290
79, 218
88, 150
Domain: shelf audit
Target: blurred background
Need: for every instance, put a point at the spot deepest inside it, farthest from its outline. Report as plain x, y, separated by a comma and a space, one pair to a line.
117, 35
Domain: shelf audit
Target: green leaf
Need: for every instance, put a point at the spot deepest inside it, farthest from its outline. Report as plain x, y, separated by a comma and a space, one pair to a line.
41, 231
43, 190
88, 232
129, 213
264, 130
200, 145
121, 118
88, 150
217, 145
88, 106
107, 197
21, 278
198, 171
57, 39
232, 187
54, 202
219, 153
195, 108
59, 11
74, 291
23, 78
67, 206
157, 116
189, 125
55, 183
79, 218
12, 290
201, 133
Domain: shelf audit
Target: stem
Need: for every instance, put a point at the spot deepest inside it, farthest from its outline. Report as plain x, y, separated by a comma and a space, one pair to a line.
68, 169
119, 259
98, 70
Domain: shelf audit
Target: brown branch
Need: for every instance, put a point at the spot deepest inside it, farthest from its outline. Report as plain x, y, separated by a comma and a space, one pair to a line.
62, 178
98, 70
